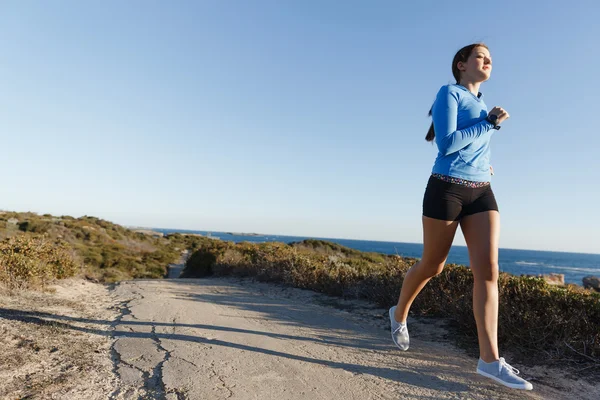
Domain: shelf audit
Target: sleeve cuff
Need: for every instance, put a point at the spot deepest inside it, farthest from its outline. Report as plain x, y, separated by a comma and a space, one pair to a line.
491, 126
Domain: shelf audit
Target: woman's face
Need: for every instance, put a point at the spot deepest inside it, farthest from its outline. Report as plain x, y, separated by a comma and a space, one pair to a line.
478, 66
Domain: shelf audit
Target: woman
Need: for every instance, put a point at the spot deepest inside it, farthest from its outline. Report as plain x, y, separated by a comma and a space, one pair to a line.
459, 192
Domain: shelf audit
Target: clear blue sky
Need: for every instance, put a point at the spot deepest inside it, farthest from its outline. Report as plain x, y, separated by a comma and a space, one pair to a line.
293, 117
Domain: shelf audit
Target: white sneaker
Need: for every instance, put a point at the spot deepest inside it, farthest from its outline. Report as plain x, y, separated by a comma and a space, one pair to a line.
399, 331
503, 373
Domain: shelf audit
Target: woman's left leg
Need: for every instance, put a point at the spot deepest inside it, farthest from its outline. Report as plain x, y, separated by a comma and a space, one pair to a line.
481, 228
482, 233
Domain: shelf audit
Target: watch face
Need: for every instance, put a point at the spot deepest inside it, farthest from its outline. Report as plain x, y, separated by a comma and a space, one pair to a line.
493, 117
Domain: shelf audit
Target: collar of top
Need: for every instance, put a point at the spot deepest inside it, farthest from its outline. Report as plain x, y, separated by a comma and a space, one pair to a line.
478, 97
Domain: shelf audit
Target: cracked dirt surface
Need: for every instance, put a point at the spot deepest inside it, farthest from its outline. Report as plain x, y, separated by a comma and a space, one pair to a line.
223, 338
55, 344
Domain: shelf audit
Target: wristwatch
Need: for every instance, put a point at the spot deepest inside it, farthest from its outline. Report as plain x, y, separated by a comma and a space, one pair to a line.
493, 119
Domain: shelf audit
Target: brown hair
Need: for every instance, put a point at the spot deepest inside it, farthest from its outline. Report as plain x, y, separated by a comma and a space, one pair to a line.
461, 56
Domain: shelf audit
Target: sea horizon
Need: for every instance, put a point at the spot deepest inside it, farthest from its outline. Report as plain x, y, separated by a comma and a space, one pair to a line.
574, 265
250, 234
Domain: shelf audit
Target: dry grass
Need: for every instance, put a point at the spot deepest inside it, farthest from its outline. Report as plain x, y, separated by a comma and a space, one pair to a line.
55, 343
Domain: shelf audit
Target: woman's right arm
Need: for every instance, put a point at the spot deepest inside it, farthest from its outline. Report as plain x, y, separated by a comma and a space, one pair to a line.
445, 114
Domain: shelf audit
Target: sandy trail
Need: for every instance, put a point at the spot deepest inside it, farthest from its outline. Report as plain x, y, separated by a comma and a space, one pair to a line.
234, 338
222, 338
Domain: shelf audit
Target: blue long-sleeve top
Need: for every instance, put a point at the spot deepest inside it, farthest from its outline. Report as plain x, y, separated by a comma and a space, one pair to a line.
462, 134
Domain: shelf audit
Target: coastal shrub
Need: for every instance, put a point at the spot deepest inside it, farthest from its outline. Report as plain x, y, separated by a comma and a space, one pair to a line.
35, 226
201, 262
537, 321
108, 252
30, 260
91, 256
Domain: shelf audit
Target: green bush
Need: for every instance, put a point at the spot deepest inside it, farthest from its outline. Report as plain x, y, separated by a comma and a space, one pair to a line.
29, 260
92, 256
200, 263
35, 226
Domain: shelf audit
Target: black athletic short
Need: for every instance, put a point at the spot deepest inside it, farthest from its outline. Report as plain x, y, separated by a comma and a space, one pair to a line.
451, 201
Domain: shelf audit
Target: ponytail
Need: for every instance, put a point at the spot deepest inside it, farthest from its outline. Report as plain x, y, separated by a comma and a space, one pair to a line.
431, 132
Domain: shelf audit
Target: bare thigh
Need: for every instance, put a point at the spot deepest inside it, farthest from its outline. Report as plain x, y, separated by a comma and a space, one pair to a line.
438, 236
482, 233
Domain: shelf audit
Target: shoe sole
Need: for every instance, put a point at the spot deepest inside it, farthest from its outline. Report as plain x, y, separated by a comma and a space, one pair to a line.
500, 381
393, 340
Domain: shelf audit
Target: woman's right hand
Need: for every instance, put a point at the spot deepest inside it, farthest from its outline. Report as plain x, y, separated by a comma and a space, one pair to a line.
500, 113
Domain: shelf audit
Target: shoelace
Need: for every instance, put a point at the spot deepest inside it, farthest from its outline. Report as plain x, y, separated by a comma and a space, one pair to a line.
508, 366
400, 329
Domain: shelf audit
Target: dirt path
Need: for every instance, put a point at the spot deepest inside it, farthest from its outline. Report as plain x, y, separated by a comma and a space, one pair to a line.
231, 338
175, 270
234, 338
57, 344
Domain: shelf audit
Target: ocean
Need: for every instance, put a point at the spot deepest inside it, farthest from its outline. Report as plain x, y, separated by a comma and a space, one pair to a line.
574, 266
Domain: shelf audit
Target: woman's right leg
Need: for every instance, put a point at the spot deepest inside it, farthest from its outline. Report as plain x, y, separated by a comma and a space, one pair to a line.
438, 236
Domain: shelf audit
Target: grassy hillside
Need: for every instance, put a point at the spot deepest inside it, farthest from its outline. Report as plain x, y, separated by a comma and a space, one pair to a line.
95, 248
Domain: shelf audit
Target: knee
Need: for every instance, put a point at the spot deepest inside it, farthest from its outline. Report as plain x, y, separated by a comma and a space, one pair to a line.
432, 268
487, 271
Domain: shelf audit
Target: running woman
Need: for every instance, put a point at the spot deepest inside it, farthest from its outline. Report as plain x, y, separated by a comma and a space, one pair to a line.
459, 193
